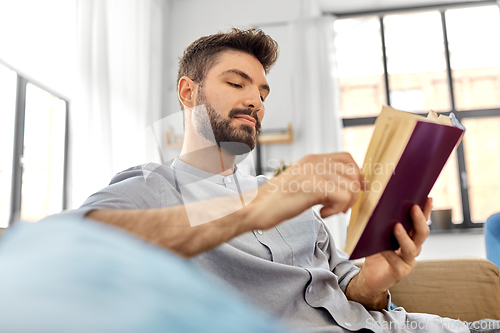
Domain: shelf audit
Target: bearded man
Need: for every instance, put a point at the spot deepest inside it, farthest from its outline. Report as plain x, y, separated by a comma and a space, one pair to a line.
258, 237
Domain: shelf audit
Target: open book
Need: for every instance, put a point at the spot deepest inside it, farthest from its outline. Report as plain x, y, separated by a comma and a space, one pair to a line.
404, 159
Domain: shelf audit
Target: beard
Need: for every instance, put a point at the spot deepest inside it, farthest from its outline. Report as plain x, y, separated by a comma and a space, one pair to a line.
237, 140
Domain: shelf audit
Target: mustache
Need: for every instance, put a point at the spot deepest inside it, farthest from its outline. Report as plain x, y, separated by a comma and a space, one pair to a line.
247, 112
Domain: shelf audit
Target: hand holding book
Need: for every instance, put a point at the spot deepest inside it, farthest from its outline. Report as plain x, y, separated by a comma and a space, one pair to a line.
405, 156
382, 270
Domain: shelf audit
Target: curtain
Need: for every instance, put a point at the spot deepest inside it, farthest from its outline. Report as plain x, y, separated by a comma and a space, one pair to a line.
120, 52
317, 120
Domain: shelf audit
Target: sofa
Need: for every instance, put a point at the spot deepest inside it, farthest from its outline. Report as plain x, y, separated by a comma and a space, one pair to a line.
467, 289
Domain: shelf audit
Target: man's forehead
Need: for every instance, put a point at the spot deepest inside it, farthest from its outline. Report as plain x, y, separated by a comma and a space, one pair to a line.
235, 61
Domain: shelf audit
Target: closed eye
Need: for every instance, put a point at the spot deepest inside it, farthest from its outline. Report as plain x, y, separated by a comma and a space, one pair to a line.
234, 85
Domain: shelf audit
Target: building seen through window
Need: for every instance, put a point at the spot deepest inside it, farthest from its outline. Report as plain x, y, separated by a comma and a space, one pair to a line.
419, 64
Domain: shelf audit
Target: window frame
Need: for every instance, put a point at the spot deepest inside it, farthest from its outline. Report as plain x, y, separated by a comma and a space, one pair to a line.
18, 151
467, 225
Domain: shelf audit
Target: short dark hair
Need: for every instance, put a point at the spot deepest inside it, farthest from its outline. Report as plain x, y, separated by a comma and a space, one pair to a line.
203, 53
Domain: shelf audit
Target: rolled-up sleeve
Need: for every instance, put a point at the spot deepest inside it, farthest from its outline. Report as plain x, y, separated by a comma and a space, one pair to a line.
339, 262
344, 268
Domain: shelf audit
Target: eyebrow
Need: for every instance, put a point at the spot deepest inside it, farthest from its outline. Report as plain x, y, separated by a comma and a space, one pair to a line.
246, 77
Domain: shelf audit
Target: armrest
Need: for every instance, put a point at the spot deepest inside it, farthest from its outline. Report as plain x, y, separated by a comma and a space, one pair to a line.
465, 289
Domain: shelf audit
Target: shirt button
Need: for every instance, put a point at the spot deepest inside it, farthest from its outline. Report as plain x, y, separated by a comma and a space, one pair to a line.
228, 180
259, 232
309, 289
348, 324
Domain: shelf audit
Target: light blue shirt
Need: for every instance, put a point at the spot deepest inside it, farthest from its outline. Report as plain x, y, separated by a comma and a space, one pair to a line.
293, 271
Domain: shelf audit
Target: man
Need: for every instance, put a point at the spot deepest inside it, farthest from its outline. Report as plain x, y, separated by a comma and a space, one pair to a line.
275, 250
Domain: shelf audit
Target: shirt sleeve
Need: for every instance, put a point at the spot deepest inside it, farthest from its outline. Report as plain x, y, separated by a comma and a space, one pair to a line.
133, 189
69, 215
340, 264
344, 268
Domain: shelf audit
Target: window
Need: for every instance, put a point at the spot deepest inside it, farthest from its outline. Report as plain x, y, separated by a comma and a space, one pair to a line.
360, 66
441, 58
8, 80
33, 130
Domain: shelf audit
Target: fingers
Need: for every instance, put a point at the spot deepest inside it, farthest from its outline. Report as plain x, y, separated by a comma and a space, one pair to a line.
348, 180
410, 246
328, 211
408, 249
347, 192
403, 260
348, 160
330, 164
399, 266
428, 208
420, 227
333, 179
336, 200
396, 262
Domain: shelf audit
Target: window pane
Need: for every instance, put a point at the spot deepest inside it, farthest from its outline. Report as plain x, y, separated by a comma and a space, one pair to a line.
446, 191
356, 141
475, 56
358, 51
43, 161
416, 62
482, 160
8, 82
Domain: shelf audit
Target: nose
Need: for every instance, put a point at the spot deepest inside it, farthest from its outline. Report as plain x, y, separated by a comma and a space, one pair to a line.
253, 101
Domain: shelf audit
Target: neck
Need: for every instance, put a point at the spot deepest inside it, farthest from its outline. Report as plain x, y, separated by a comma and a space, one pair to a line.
207, 157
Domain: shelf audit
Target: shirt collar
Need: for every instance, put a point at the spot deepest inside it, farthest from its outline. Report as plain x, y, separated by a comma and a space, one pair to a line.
179, 165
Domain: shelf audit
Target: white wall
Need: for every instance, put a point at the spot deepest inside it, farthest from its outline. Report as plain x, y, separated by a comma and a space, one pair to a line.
443, 246
192, 19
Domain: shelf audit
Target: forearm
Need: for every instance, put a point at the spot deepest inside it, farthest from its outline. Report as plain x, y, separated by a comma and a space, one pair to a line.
269, 205
170, 229
358, 291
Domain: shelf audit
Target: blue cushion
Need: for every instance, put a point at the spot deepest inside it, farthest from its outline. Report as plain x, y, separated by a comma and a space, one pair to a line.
67, 274
492, 236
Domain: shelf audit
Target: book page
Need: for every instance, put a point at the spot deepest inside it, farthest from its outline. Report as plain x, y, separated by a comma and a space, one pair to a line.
393, 133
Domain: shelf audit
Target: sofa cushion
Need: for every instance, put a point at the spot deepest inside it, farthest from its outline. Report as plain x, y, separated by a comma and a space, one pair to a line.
466, 289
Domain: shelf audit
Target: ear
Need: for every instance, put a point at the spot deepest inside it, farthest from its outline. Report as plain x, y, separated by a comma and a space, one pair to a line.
186, 92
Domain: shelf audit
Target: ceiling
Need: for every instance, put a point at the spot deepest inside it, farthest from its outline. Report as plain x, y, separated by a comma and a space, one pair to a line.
343, 6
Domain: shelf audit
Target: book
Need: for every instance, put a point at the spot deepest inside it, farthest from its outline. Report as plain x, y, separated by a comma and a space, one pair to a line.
404, 159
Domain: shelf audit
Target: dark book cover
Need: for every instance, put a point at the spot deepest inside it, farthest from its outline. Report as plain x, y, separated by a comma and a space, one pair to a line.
424, 157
